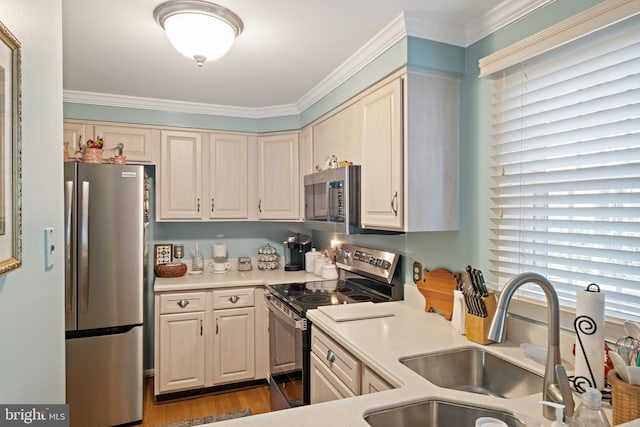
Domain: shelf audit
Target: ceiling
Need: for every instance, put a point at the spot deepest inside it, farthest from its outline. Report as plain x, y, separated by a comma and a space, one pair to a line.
284, 55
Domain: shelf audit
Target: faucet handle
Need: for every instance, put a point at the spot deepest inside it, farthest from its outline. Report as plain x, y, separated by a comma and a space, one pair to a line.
561, 392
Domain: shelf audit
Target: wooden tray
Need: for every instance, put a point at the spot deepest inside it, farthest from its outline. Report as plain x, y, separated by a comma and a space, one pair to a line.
437, 286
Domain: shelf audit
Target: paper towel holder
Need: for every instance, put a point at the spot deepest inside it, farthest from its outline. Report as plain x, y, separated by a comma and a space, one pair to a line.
585, 325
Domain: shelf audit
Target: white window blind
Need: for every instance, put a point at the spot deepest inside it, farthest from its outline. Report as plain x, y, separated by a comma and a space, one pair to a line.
566, 169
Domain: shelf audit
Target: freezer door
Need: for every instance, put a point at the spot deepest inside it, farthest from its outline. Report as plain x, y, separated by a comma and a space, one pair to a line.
110, 245
105, 379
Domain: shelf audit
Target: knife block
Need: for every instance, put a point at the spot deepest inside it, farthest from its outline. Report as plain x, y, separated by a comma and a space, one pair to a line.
476, 327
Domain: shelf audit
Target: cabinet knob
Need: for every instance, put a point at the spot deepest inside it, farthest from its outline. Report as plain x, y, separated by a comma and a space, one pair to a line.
234, 299
183, 303
331, 356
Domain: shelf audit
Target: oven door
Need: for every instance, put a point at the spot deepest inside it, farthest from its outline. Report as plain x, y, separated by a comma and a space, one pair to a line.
288, 356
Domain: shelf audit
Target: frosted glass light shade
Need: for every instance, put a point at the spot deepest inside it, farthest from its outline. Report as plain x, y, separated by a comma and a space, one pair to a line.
198, 29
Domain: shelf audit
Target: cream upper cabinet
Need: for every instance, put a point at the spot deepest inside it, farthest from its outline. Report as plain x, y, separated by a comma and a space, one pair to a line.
74, 133
202, 176
339, 134
278, 177
137, 142
382, 158
228, 176
410, 154
180, 177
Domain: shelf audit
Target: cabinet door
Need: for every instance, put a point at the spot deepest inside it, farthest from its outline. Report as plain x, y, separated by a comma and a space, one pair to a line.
227, 170
382, 158
325, 386
180, 178
278, 177
181, 351
73, 133
372, 382
136, 140
234, 345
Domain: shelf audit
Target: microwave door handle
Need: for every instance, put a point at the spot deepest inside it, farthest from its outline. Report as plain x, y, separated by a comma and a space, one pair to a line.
68, 246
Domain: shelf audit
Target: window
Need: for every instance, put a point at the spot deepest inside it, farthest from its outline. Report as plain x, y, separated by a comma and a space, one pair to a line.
566, 168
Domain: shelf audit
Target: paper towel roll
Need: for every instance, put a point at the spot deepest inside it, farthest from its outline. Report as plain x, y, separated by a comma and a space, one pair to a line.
589, 326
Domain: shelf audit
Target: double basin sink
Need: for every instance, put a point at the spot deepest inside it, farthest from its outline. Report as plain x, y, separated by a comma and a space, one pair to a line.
468, 369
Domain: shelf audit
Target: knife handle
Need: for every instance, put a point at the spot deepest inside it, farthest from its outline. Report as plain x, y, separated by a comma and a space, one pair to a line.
476, 327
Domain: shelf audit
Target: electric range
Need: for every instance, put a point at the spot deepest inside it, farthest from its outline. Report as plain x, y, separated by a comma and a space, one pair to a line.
364, 275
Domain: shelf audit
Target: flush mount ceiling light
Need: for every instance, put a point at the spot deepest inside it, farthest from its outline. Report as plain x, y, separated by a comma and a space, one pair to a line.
198, 29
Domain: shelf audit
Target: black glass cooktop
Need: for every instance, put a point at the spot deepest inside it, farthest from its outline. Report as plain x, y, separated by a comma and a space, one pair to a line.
309, 295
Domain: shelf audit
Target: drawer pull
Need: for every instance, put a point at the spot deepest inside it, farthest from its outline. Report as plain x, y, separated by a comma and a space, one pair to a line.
183, 303
331, 356
234, 299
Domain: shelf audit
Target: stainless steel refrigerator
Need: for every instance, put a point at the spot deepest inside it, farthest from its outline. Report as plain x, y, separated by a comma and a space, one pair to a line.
104, 247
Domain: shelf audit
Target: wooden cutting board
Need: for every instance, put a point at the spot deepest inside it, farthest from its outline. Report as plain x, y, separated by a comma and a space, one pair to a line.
437, 286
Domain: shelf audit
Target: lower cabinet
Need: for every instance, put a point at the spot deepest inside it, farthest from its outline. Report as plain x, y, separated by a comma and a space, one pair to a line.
325, 385
234, 345
207, 338
336, 373
182, 359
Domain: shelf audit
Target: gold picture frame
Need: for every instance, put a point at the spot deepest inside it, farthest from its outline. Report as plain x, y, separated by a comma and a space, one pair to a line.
10, 152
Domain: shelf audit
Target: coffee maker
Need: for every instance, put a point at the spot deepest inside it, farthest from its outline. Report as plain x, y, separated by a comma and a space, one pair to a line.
294, 249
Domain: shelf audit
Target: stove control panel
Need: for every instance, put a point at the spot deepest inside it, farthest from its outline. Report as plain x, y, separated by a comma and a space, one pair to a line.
380, 264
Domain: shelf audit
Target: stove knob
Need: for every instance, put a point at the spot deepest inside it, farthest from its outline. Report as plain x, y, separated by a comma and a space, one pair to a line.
386, 265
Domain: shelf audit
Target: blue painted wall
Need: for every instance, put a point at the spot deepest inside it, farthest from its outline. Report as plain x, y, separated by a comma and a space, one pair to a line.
452, 250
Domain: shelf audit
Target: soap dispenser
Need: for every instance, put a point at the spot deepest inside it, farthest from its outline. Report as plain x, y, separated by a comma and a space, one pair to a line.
559, 422
590, 413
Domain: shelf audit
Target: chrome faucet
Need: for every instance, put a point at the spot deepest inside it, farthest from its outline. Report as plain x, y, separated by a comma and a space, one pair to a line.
555, 385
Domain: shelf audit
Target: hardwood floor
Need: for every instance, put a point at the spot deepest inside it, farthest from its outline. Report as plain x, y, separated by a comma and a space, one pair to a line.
256, 398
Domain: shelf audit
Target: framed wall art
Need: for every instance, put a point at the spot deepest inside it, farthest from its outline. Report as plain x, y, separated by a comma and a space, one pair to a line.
10, 152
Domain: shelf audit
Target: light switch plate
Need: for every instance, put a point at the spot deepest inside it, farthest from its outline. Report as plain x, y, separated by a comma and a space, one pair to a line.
417, 272
49, 247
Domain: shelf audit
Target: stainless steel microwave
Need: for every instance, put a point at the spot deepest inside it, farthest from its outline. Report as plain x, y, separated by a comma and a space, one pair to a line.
332, 200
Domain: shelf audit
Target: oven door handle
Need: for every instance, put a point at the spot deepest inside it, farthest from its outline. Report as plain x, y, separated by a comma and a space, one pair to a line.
293, 320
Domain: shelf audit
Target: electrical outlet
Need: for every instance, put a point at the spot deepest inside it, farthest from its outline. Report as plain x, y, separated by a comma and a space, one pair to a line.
417, 272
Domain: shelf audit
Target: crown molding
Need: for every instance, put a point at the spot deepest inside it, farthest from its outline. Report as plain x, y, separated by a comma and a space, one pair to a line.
109, 100
381, 42
499, 17
405, 24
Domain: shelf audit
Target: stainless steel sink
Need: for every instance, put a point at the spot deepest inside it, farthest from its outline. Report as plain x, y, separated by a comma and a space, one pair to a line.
474, 370
437, 413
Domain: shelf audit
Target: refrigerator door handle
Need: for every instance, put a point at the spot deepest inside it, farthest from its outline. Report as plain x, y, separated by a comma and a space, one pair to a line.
68, 230
83, 271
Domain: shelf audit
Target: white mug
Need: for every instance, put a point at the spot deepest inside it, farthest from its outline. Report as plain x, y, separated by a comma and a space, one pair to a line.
220, 267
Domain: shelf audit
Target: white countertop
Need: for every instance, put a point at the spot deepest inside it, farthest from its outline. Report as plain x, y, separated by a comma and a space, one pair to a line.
255, 277
380, 343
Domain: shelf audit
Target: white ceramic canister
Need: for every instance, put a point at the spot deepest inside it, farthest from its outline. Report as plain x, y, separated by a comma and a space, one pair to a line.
309, 260
318, 263
329, 271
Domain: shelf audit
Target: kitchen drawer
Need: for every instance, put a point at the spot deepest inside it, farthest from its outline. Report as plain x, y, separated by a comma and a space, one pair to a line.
233, 298
183, 302
325, 386
337, 359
